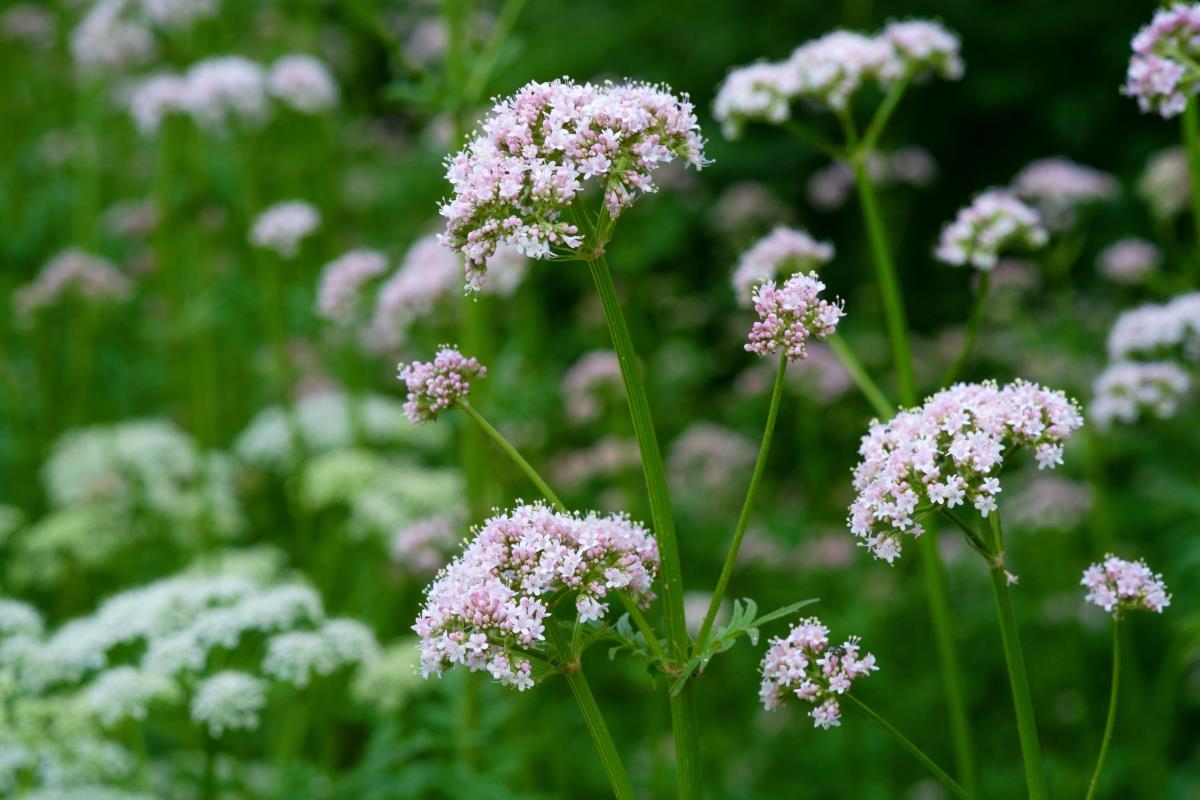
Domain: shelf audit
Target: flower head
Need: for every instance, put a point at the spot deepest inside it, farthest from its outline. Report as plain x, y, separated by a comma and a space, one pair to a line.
303, 83
491, 603
434, 386
153, 98
924, 47
949, 452
1165, 183
225, 90
791, 314
995, 222
782, 252
1117, 586
72, 273
761, 92
282, 226
340, 292
1154, 330
803, 664
537, 149
1129, 261
1056, 186
229, 701
1128, 389
1162, 75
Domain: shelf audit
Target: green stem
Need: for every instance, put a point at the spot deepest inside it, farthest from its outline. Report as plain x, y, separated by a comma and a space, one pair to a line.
1111, 721
934, 572
683, 712
1031, 752
1191, 143
917, 753
512, 452
739, 531
889, 286
973, 325
639, 620
486, 62
814, 139
883, 114
858, 373
593, 718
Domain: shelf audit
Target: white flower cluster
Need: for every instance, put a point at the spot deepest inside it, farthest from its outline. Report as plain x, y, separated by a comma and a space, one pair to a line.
780, 254
949, 452
994, 223
327, 422
828, 71
1157, 330
223, 92
283, 226
1128, 390
1058, 186
490, 606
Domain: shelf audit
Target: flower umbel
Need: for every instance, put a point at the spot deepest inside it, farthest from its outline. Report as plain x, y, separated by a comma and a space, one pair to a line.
434, 386
803, 664
487, 610
780, 253
949, 452
1162, 73
995, 222
789, 315
537, 149
1117, 585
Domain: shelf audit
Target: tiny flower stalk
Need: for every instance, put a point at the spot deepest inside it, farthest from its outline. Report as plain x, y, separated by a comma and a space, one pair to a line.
974, 323
512, 453
1191, 142
1110, 720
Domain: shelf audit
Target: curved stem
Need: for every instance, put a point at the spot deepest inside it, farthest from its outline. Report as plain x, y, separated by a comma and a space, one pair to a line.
1191, 144
739, 531
973, 324
1111, 721
883, 114
683, 713
512, 452
858, 373
916, 752
1031, 752
814, 139
639, 620
597, 727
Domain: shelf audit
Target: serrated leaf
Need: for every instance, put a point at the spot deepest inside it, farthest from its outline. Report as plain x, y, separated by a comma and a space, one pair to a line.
786, 611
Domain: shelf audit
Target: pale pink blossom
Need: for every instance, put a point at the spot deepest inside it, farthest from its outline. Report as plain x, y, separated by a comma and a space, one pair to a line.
303, 83
1162, 73
779, 254
789, 315
1128, 390
72, 273
994, 223
343, 283
1117, 586
1129, 261
434, 386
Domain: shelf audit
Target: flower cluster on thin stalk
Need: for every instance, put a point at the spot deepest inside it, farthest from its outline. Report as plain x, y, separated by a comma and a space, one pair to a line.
1158, 329
791, 314
1057, 187
489, 608
434, 386
780, 253
949, 452
1128, 390
1163, 74
1117, 586
72, 273
804, 665
283, 226
1129, 261
995, 222
537, 150
828, 72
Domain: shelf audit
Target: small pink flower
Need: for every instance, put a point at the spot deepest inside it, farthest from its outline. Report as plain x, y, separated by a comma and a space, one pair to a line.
434, 386
1117, 585
789, 315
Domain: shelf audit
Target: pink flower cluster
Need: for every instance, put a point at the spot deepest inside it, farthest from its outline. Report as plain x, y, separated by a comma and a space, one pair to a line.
489, 606
539, 147
1056, 186
1165, 184
303, 83
1158, 329
70, 273
949, 452
828, 71
283, 226
1126, 390
1162, 75
434, 386
1117, 585
803, 664
1129, 261
995, 222
596, 375
340, 291
790, 314
783, 251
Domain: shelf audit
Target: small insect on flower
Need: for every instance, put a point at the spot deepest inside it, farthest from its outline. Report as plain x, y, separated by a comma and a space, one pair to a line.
791, 314
949, 452
804, 665
489, 608
434, 386
536, 151
995, 222
1117, 586
780, 253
